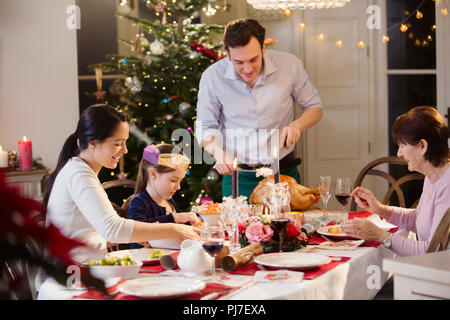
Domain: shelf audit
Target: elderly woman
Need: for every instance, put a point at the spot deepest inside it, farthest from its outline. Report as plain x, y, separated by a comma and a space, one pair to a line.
422, 137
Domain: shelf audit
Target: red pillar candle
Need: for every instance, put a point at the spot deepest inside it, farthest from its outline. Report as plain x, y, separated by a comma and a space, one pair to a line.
234, 180
25, 154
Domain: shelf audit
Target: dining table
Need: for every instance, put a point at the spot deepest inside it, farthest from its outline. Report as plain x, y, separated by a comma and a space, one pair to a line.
355, 274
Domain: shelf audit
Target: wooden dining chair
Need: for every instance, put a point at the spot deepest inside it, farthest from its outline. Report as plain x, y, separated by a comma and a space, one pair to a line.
394, 184
119, 191
441, 236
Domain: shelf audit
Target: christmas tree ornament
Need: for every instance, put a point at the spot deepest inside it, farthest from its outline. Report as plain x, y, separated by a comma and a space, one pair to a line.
194, 55
99, 94
148, 58
134, 84
184, 107
124, 7
137, 46
156, 47
212, 176
116, 88
206, 199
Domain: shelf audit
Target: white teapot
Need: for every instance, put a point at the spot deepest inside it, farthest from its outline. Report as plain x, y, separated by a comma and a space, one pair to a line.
193, 258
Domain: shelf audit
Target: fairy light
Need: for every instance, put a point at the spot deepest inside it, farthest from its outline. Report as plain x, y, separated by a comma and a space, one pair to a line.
321, 36
403, 27
339, 43
385, 39
287, 12
361, 44
302, 25
419, 14
444, 11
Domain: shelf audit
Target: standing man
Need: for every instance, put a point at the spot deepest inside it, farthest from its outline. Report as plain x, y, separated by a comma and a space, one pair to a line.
245, 106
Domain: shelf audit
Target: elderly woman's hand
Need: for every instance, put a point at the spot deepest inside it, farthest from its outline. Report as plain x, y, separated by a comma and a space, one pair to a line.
364, 229
367, 200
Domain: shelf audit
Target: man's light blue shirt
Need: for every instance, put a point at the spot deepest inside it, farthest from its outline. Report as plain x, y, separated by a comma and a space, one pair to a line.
247, 120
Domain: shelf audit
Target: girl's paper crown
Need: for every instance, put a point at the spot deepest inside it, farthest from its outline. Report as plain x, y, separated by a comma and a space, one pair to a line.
171, 160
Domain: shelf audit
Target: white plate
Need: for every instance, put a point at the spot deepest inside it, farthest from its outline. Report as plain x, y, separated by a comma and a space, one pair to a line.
292, 260
161, 287
165, 244
142, 254
324, 231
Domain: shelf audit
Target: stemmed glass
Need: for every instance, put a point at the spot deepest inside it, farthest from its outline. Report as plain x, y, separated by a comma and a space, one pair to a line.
325, 190
343, 191
212, 237
229, 216
279, 223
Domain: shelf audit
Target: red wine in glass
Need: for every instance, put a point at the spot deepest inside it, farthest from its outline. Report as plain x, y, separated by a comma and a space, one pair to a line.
212, 247
279, 224
342, 198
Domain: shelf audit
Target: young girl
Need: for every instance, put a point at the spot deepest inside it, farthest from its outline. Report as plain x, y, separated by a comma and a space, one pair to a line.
75, 200
160, 173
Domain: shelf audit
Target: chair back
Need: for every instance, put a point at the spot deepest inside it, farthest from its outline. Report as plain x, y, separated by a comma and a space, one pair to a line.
440, 239
394, 185
119, 191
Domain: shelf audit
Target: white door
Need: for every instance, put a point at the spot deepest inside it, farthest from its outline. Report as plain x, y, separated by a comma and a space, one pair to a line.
339, 144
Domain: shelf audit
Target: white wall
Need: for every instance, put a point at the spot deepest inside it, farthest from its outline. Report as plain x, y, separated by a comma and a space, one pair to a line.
38, 76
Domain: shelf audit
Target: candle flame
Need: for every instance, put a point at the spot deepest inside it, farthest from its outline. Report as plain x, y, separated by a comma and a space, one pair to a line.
235, 163
24, 138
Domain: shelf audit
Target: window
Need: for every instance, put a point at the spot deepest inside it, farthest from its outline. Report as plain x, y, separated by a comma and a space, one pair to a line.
411, 68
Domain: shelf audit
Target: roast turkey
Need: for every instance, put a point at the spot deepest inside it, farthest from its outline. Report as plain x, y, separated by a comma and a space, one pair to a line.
302, 197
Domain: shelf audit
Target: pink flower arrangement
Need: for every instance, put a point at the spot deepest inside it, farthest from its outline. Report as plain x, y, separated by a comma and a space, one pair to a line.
259, 230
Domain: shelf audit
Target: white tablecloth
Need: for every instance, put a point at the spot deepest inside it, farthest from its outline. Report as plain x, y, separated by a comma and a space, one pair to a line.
359, 278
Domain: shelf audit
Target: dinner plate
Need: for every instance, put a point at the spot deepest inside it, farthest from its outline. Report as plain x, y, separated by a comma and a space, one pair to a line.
142, 254
324, 231
292, 260
161, 287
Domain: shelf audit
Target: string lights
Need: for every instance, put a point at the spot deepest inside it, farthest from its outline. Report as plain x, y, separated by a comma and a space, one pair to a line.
404, 25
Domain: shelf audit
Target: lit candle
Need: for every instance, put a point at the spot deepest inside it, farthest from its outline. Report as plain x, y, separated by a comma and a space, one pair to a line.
25, 154
3, 158
276, 165
234, 180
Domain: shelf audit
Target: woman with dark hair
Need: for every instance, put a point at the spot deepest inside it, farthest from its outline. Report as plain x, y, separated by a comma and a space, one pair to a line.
422, 138
161, 171
75, 200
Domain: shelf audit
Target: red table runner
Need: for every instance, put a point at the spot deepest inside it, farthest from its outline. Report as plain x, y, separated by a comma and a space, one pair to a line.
97, 295
252, 268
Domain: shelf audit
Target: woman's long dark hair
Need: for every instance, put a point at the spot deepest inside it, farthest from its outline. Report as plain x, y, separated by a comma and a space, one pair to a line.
97, 122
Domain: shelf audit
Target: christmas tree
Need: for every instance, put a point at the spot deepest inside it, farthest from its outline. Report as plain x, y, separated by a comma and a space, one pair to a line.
158, 90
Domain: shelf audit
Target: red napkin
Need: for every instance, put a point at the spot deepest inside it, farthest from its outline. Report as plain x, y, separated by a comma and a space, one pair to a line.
359, 214
252, 268
97, 295
316, 239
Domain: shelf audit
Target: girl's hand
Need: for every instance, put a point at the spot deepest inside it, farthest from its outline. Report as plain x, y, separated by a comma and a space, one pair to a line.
183, 217
183, 232
364, 229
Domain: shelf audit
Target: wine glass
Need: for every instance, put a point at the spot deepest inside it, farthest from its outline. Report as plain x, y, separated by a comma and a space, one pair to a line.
325, 190
343, 191
229, 216
212, 237
279, 222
